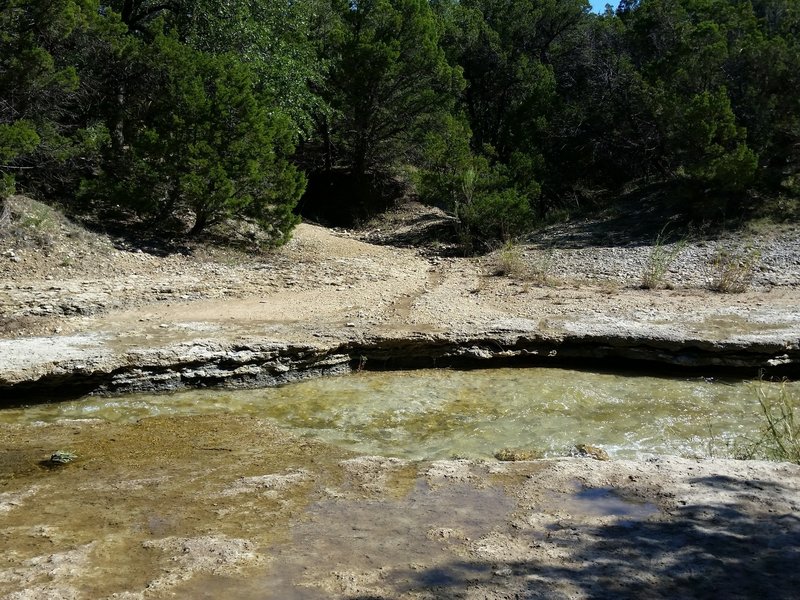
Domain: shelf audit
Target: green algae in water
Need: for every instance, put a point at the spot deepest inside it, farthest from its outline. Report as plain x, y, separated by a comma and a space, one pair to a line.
439, 414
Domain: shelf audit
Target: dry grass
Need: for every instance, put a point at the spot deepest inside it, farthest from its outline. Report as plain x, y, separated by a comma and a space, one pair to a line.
733, 269
28, 223
780, 438
5, 215
535, 268
508, 262
540, 268
662, 257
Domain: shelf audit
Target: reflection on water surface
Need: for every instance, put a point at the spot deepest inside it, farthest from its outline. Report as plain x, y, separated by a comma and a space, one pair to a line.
440, 414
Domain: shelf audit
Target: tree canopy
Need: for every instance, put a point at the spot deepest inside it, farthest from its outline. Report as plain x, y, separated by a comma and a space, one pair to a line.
501, 111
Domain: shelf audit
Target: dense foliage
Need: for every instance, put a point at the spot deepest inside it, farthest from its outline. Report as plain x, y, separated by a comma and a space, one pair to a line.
501, 111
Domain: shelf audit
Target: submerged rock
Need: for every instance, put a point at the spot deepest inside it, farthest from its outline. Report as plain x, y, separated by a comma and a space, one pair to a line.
591, 452
61, 457
512, 455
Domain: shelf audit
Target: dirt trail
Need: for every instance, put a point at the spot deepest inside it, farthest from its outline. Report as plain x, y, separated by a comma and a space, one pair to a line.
330, 283
327, 288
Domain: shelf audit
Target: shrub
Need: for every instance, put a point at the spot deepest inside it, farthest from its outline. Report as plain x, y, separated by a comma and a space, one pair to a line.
780, 436
733, 269
660, 260
497, 215
16, 139
492, 201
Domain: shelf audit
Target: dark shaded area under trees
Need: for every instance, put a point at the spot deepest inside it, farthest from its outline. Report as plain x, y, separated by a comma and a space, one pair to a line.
504, 112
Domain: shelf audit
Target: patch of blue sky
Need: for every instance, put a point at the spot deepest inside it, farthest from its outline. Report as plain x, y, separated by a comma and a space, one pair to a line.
599, 6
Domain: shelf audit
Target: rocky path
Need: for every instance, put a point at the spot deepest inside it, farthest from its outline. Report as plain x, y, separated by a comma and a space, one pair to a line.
333, 294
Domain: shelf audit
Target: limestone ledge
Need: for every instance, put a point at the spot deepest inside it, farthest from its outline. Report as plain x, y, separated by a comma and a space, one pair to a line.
74, 365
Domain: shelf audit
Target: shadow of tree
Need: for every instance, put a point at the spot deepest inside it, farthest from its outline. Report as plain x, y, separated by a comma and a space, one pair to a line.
634, 219
733, 546
428, 229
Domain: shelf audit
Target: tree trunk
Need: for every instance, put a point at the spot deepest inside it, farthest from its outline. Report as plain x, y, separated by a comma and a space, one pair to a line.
117, 125
200, 223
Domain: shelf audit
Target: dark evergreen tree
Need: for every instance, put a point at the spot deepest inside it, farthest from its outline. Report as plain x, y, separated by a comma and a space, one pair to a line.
388, 82
39, 86
202, 139
498, 110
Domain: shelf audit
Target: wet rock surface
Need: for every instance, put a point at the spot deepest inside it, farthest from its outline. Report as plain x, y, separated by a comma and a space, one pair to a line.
204, 507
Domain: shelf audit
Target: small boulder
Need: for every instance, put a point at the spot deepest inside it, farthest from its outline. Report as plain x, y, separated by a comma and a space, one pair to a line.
512, 455
591, 452
62, 457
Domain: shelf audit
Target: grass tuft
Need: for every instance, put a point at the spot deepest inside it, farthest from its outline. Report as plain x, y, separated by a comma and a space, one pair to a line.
509, 261
661, 258
25, 222
733, 269
536, 268
779, 439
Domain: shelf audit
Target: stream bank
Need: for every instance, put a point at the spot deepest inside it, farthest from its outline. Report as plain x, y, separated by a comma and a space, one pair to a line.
69, 366
87, 314
201, 507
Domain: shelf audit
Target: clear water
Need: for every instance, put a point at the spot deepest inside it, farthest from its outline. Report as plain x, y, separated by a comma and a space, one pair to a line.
441, 414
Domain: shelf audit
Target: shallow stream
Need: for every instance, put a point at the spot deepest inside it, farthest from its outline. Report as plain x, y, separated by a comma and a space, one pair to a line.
437, 414
210, 494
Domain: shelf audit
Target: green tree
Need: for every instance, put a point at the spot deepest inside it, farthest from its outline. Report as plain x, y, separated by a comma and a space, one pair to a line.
388, 81
275, 39
489, 198
764, 92
507, 51
602, 120
446, 158
201, 138
685, 50
38, 85
510, 52
709, 146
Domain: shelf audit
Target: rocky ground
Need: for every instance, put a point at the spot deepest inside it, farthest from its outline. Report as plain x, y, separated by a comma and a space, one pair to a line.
71, 298
51, 268
99, 313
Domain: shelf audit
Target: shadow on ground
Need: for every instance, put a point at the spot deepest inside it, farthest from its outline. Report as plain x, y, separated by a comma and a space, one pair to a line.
637, 219
415, 225
719, 550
